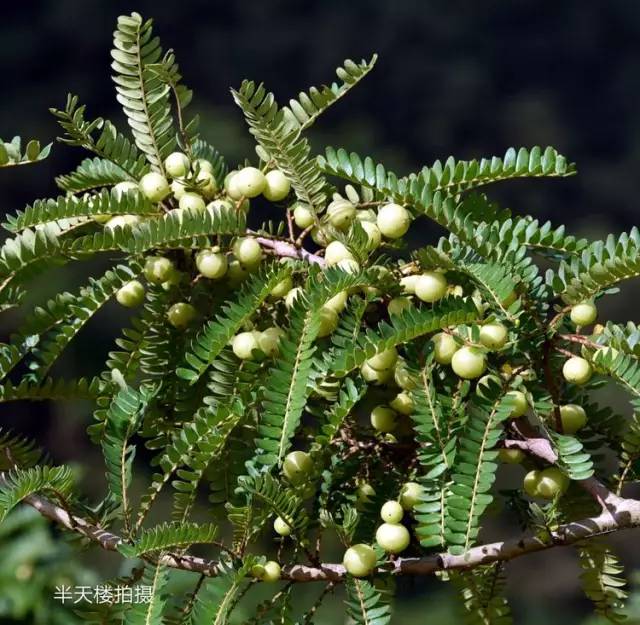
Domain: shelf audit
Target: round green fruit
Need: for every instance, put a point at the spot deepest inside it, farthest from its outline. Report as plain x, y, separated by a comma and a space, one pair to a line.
393, 537
493, 335
375, 376
402, 403
408, 284
269, 340
511, 456
468, 363
191, 202
336, 252
520, 404
573, 418
530, 483
340, 214
158, 269
551, 483
384, 419
374, 237
130, 294
398, 305
338, 301
211, 264
391, 512
120, 221
207, 184
154, 186
431, 286
124, 187
402, 376
178, 188
277, 186
393, 221
244, 344
296, 466
272, 572
577, 370
303, 216
320, 236
359, 560
250, 182
280, 527
584, 314
248, 251
202, 164
328, 321
177, 164
444, 347
180, 315
384, 359
282, 288
231, 187
410, 495
236, 273
365, 493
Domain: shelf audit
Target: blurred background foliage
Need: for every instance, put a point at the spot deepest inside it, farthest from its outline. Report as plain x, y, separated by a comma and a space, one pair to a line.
462, 78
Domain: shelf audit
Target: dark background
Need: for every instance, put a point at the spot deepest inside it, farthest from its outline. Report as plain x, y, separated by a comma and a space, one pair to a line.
462, 78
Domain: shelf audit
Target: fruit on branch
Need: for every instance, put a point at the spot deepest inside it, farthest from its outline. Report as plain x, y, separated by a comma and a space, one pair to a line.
124, 187
157, 269
120, 221
359, 560
385, 359
340, 214
154, 186
393, 220
177, 164
303, 216
403, 377
511, 456
398, 304
364, 493
520, 406
202, 164
374, 236
328, 321
468, 362
493, 335
402, 403
280, 527
530, 483
231, 187
393, 537
269, 340
277, 186
408, 284
130, 294
272, 571
206, 184
180, 315
337, 252
573, 418
376, 376
248, 251
584, 314
444, 347
384, 419
281, 289
178, 188
391, 512
337, 302
212, 263
546, 484
249, 182
431, 286
244, 344
410, 495
296, 466
577, 370
191, 201
236, 272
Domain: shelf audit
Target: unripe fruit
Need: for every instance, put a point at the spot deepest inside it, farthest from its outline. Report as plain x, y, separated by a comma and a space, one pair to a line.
292, 296
320, 237
154, 186
410, 495
130, 294
493, 335
365, 492
236, 273
338, 301
520, 406
375, 376
269, 340
340, 214
303, 216
280, 527
384, 359
243, 345
573, 418
391, 512
177, 164
328, 321
577, 370
123, 187
511, 456
157, 269
408, 283
373, 234
207, 184
296, 466
359, 560
552, 482
277, 186
231, 186
431, 286
272, 572
180, 315
191, 201
384, 419
217, 206
392, 537
249, 182
348, 265
402, 403
530, 483
403, 377
202, 164
211, 264
247, 251
393, 221
366, 215
120, 221
584, 314
444, 347
468, 363
173, 279
178, 188
398, 304
282, 288
337, 251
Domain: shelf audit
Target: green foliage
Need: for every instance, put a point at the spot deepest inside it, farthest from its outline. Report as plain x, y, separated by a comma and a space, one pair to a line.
169, 536
150, 613
482, 595
12, 152
365, 604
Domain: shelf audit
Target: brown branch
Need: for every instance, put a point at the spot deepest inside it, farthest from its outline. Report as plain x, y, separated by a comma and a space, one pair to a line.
289, 250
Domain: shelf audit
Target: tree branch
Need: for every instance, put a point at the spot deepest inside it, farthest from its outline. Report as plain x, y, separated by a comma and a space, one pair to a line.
289, 250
